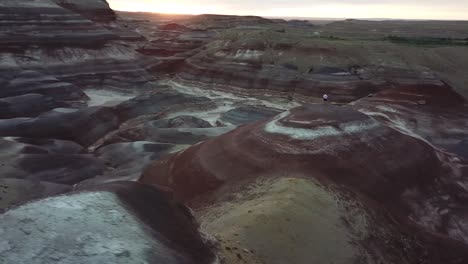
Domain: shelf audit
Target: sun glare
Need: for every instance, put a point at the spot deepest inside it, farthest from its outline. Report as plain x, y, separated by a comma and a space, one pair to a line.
166, 8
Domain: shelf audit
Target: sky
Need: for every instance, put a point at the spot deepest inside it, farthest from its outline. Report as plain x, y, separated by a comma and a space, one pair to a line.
402, 9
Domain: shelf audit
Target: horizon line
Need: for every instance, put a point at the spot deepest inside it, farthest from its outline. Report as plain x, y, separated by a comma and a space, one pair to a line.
300, 17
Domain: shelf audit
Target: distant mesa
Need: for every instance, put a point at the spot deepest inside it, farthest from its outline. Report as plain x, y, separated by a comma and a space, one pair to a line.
173, 27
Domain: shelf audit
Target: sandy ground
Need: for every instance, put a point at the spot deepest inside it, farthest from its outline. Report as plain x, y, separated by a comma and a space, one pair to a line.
284, 220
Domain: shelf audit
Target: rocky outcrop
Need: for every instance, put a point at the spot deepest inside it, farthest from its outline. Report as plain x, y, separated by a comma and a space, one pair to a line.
28, 82
111, 65
247, 114
182, 121
27, 105
434, 113
152, 131
143, 119
54, 39
244, 71
82, 126
112, 223
172, 44
97, 10
14, 192
46, 160
161, 103
343, 150
125, 161
309, 131
267, 62
28, 22
45, 145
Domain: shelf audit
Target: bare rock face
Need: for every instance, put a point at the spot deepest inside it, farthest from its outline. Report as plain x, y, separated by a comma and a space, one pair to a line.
45, 22
84, 126
97, 10
47, 160
152, 131
183, 121
170, 43
176, 41
46, 145
173, 131
123, 222
344, 150
312, 132
27, 82
253, 79
125, 161
247, 114
142, 119
161, 103
58, 40
27, 105
249, 67
266, 62
434, 113
173, 27
14, 192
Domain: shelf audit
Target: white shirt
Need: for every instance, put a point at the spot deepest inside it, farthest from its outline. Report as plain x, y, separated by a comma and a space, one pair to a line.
325, 97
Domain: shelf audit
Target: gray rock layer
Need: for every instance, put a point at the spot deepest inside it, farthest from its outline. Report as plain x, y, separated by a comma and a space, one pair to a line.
113, 223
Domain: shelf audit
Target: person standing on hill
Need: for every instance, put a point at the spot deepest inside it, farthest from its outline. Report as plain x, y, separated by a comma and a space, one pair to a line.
325, 97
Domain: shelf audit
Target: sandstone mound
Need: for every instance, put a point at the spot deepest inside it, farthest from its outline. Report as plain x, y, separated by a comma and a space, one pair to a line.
112, 223
294, 220
323, 141
342, 149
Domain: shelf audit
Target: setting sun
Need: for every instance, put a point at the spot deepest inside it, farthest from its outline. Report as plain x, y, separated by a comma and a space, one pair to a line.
167, 8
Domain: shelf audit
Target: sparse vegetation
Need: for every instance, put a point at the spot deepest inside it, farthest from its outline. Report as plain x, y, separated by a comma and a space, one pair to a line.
426, 41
